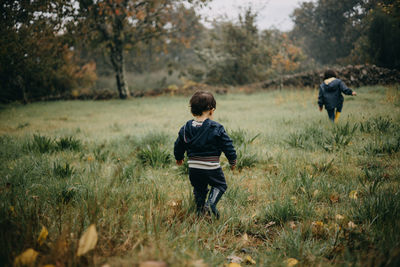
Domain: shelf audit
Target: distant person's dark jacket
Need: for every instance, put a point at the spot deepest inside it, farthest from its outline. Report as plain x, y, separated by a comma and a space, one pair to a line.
205, 142
330, 93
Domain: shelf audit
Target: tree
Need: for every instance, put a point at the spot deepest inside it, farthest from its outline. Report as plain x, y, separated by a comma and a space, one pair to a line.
384, 34
35, 56
236, 53
119, 25
287, 59
328, 29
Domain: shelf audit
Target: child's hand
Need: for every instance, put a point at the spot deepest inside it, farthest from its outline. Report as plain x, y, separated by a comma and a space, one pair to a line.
233, 167
320, 108
179, 162
354, 93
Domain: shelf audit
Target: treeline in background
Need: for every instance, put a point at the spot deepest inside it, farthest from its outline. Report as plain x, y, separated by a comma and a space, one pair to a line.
54, 49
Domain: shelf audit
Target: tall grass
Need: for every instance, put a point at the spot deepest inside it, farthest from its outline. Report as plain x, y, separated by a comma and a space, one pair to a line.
327, 195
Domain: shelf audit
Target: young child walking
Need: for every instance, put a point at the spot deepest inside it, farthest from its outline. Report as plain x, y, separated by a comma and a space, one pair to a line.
203, 140
330, 95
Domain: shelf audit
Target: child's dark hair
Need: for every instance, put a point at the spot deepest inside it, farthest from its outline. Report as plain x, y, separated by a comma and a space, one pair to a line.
202, 101
329, 74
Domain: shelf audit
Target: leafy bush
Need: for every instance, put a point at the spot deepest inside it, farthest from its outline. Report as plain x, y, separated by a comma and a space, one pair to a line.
41, 144
154, 156
246, 158
70, 143
308, 138
380, 208
281, 212
241, 137
62, 170
340, 137
383, 145
380, 124
242, 140
100, 153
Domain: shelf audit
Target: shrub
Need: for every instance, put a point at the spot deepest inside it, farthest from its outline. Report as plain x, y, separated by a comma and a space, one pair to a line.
154, 156
340, 137
281, 212
62, 170
380, 208
322, 167
241, 137
100, 153
296, 140
383, 145
380, 124
70, 143
41, 144
242, 140
245, 158
307, 138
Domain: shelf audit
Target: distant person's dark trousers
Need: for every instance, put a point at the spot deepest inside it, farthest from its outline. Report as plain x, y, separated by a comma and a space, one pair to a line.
334, 113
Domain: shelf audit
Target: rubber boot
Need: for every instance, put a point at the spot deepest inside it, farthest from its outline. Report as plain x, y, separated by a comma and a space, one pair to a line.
200, 199
213, 198
337, 115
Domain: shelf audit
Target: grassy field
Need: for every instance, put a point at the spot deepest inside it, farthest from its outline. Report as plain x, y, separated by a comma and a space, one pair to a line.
306, 192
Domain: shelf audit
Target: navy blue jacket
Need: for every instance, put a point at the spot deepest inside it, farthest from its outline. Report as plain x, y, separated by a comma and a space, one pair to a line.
207, 140
330, 94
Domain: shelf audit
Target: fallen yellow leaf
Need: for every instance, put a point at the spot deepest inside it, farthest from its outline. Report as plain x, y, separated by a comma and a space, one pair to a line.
339, 217
353, 194
315, 193
27, 258
351, 225
233, 264
87, 241
42, 236
249, 260
49, 265
291, 262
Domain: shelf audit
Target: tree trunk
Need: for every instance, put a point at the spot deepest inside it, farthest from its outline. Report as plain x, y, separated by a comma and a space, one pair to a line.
118, 62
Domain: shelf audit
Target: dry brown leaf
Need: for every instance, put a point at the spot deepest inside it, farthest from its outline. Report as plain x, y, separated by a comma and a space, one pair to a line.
198, 263
87, 241
334, 198
42, 236
315, 193
291, 262
318, 228
153, 264
269, 224
26, 258
292, 225
245, 237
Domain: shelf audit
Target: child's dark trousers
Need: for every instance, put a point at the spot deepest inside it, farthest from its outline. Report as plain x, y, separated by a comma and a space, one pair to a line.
200, 179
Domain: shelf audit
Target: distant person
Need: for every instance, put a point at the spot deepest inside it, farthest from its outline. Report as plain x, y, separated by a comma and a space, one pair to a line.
204, 139
330, 95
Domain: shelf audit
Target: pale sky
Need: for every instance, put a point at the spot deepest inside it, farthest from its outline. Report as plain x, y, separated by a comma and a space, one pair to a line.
273, 13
